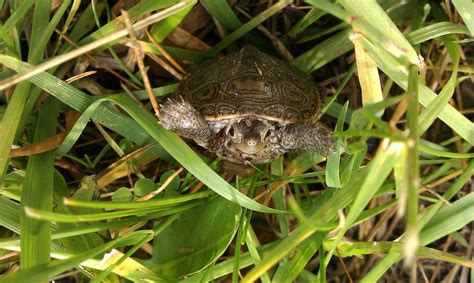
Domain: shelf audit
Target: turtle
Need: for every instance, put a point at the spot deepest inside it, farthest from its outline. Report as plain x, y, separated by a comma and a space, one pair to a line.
248, 107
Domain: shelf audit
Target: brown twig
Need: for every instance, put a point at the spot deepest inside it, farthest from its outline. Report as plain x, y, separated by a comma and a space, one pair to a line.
139, 54
165, 53
162, 187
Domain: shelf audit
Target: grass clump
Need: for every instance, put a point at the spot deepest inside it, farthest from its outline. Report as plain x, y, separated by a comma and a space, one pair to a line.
122, 197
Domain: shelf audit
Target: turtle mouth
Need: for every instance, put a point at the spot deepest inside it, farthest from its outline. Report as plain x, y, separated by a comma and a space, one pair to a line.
250, 146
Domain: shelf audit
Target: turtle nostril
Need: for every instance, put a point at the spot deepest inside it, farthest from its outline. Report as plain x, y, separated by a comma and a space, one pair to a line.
251, 143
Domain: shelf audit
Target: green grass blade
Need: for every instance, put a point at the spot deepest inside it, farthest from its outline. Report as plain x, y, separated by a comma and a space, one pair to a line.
71, 231
401, 180
333, 164
448, 195
245, 28
156, 203
10, 214
324, 52
453, 118
441, 153
40, 22
331, 8
367, 10
8, 45
163, 28
83, 24
10, 122
176, 52
45, 271
433, 110
288, 270
276, 169
309, 18
38, 192
80, 125
449, 219
72, 218
278, 252
412, 166
18, 14
359, 249
319, 34
226, 267
434, 31
45, 31
253, 243
465, 8
223, 13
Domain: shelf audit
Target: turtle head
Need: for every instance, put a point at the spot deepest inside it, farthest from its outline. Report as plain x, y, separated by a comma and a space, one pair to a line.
249, 135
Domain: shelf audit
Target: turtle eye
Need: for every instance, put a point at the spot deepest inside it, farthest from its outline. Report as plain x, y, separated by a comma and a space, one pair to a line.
266, 135
231, 131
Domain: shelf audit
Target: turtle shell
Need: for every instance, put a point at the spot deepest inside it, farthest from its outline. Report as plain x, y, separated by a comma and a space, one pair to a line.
250, 82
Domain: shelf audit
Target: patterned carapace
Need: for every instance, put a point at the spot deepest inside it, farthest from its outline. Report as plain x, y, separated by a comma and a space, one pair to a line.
251, 82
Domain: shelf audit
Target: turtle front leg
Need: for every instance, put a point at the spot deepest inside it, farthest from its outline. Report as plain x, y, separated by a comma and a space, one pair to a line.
310, 137
181, 117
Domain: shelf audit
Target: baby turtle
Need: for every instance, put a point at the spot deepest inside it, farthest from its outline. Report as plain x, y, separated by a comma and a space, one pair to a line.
248, 106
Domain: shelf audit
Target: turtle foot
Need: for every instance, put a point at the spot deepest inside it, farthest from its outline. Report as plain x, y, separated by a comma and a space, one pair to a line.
313, 137
179, 116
